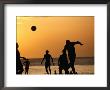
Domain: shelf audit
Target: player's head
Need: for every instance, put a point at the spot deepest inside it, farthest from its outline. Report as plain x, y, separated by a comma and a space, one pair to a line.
64, 51
47, 51
67, 41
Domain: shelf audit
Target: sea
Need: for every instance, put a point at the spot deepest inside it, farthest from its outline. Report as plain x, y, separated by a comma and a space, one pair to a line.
78, 61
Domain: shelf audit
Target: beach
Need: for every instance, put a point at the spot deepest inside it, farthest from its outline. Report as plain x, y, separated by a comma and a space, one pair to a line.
81, 69
83, 65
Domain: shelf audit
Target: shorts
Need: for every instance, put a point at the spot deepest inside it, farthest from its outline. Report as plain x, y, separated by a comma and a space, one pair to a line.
47, 65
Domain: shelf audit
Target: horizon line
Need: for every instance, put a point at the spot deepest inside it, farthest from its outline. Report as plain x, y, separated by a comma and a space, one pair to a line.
58, 57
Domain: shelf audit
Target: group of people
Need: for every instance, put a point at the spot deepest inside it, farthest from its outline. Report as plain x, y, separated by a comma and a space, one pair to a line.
65, 61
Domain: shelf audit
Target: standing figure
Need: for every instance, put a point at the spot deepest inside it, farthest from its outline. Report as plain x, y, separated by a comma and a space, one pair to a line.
26, 63
71, 53
19, 66
63, 63
47, 58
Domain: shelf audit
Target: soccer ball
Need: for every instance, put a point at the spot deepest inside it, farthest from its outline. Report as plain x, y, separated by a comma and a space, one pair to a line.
33, 28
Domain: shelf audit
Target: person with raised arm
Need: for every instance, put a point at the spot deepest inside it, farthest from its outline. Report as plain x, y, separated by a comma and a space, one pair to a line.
70, 48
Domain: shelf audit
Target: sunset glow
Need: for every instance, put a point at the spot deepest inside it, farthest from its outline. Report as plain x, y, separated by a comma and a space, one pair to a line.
51, 34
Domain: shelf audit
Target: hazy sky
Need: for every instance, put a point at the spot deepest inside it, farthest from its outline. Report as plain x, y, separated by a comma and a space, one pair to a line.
51, 34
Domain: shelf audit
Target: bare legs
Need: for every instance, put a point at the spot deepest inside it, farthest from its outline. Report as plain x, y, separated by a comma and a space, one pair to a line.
48, 70
26, 71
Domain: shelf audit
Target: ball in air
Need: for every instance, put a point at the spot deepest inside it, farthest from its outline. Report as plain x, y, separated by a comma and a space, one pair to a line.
33, 28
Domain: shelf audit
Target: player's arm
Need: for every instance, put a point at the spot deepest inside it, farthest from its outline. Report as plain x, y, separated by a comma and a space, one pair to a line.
65, 47
52, 60
23, 58
59, 61
77, 42
43, 59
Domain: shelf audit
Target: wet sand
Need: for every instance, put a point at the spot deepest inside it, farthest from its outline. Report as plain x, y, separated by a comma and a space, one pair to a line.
81, 69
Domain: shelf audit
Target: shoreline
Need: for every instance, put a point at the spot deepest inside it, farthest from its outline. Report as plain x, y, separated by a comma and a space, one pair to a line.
81, 69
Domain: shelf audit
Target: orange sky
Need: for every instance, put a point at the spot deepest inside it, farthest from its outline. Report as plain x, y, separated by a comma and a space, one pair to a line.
51, 34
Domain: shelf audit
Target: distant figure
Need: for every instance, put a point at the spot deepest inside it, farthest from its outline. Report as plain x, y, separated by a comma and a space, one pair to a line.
63, 63
47, 58
71, 53
26, 63
19, 66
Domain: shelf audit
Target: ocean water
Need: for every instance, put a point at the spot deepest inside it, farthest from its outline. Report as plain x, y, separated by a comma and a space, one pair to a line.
78, 61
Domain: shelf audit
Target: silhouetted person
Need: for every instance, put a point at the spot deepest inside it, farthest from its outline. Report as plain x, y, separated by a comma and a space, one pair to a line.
19, 66
26, 63
47, 58
71, 53
63, 63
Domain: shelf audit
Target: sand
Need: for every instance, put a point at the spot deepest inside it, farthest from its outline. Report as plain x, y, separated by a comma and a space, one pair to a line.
81, 69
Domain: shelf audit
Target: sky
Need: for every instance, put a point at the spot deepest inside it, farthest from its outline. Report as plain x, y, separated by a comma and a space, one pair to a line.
52, 33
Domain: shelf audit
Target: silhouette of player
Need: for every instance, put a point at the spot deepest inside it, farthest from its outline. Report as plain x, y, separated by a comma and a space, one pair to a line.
63, 63
26, 63
47, 58
71, 53
19, 66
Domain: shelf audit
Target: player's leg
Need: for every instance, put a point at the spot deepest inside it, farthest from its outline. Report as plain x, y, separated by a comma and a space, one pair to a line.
60, 70
25, 70
66, 69
73, 69
49, 69
46, 68
72, 60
